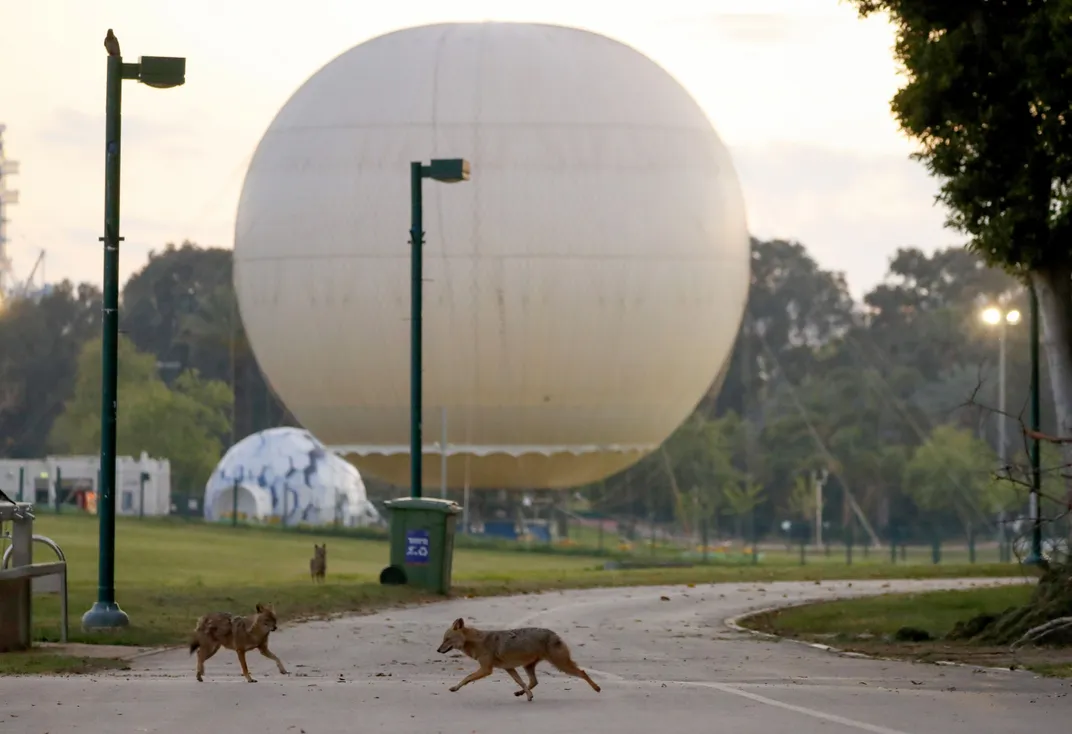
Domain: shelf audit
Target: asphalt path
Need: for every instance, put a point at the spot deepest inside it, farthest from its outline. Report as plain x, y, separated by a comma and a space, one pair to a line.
665, 665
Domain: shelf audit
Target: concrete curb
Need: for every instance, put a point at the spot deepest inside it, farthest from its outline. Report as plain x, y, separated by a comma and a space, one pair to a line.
155, 651
127, 653
735, 623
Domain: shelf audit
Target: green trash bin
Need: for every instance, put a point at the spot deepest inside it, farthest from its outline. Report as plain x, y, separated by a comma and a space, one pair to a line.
422, 542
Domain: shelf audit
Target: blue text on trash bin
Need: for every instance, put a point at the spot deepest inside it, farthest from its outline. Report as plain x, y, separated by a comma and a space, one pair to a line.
417, 546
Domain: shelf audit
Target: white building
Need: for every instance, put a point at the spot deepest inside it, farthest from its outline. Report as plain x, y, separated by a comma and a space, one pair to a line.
76, 478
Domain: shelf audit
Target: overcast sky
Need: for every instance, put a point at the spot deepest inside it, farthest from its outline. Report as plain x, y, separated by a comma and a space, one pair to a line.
799, 90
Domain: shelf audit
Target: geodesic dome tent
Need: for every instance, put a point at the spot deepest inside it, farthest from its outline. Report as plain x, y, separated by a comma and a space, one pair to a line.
287, 475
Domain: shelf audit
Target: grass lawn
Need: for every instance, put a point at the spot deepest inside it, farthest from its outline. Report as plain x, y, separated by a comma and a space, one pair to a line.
934, 611
867, 624
168, 573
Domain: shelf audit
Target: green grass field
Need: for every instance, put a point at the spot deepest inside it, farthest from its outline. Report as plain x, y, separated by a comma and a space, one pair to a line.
934, 611
868, 624
169, 572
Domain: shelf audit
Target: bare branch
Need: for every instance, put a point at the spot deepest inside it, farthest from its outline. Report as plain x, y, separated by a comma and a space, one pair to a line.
1037, 634
1040, 436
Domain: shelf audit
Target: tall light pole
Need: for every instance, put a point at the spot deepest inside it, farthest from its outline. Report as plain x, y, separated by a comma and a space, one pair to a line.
155, 71
818, 478
997, 317
444, 170
1034, 557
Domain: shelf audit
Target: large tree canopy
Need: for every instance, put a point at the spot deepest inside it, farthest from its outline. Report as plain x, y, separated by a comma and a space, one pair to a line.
40, 341
988, 99
817, 383
181, 307
186, 423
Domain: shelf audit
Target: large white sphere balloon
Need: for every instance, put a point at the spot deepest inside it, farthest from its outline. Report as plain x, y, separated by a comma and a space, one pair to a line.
582, 291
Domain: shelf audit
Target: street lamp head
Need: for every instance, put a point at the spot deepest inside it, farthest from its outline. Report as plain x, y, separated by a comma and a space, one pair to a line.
992, 316
447, 170
1012, 317
162, 72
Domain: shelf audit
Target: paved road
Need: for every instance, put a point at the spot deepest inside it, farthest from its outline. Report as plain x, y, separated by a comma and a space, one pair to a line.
664, 666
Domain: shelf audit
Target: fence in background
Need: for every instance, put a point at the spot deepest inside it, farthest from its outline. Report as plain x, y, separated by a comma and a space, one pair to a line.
640, 542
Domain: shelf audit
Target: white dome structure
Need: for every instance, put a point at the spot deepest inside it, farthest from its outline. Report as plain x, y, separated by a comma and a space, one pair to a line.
286, 475
582, 291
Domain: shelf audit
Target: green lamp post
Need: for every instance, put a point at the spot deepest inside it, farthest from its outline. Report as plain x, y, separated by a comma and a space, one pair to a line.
1034, 556
444, 170
154, 71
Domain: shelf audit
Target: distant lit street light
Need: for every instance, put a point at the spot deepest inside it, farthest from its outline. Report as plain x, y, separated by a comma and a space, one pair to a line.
160, 72
995, 316
444, 170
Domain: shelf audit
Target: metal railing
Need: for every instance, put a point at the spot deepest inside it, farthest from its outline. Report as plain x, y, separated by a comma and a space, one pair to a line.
46, 577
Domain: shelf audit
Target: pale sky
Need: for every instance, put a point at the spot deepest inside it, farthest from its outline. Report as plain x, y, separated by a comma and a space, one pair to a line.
798, 89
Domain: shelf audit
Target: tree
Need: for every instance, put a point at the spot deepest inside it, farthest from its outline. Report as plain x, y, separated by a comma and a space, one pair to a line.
742, 499
700, 456
822, 384
182, 308
796, 307
10, 389
847, 420
1015, 482
172, 286
949, 473
802, 502
917, 315
800, 508
211, 334
918, 283
987, 98
40, 340
185, 423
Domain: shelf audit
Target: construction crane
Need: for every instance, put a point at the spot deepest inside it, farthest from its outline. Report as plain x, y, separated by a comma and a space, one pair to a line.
7, 197
27, 284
